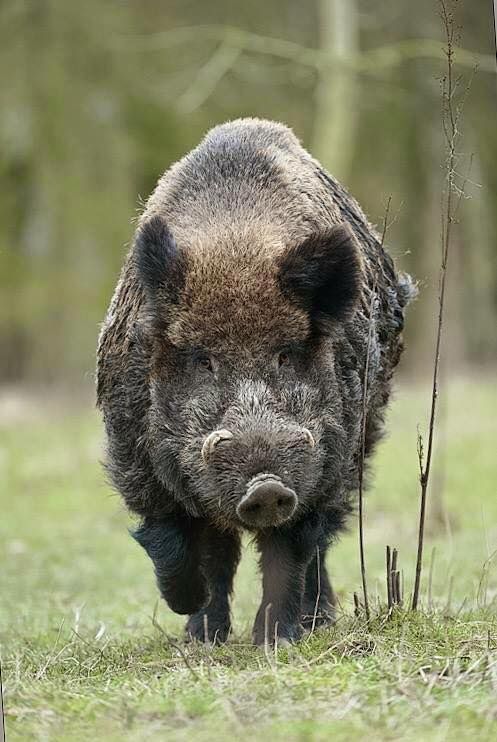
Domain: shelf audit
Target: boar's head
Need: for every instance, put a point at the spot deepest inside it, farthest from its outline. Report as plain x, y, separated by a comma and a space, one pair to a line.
246, 420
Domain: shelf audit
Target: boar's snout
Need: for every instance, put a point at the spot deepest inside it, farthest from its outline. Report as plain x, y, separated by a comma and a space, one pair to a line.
267, 502
257, 472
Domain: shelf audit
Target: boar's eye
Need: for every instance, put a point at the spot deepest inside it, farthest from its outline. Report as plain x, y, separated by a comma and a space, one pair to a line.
205, 363
283, 359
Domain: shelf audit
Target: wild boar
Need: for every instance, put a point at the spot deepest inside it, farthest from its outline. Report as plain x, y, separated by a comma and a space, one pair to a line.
231, 369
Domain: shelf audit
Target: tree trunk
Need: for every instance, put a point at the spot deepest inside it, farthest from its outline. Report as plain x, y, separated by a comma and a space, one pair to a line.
336, 91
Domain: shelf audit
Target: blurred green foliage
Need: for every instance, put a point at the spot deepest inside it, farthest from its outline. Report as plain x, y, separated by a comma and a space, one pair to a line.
98, 98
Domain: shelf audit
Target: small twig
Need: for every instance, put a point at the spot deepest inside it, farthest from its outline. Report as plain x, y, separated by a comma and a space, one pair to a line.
393, 575
175, 646
450, 127
276, 638
420, 452
430, 579
275, 648
362, 454
267, 611
461, 607
398, 591
448, 605
99, 650
483, 582
394, 560
386, 225
357, 606
395, 579
52, 656
389, 587
318, 593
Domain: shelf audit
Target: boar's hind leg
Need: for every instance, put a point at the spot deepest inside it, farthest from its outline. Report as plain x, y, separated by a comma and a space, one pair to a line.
221, 554
285, 556
318, 605
173, 545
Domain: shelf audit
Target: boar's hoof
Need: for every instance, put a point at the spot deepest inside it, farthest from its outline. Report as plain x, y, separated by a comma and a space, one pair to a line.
309, 437
212, 440
267, 502
317, 616
285, 634
208, 628
284, 643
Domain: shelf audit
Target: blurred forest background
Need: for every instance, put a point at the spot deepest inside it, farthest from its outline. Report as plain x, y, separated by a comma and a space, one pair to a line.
99, 98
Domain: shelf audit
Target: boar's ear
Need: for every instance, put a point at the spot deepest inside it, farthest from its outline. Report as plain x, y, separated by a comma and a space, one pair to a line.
323, 274
160, 264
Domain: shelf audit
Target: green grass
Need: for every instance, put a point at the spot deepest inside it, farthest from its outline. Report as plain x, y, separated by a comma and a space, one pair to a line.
81, 657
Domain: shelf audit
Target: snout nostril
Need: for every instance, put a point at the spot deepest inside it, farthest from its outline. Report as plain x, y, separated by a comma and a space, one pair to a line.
267, 503
212, 441
253, 508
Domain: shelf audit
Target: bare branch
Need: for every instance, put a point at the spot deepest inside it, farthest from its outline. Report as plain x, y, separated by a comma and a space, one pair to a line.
208, 77
357, 606
449, 212
318, 592
362, 454
389, 586
172, 643
372, 61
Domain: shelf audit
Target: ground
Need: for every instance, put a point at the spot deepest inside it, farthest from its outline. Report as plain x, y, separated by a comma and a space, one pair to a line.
82, 656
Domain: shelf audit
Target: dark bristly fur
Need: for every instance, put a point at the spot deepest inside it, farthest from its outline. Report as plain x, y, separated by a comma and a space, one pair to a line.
243, 307
324, 273
158, 261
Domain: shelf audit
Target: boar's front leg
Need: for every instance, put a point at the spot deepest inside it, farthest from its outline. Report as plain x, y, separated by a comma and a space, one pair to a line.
318, 605
173, 544
221, 554
285, 556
